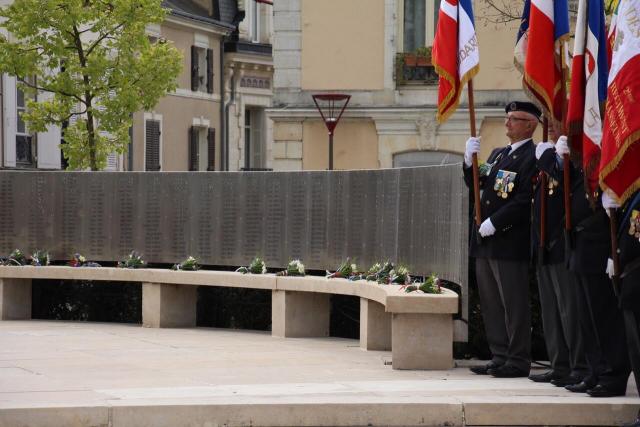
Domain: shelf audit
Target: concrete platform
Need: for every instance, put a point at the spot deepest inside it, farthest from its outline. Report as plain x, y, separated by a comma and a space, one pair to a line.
91, 374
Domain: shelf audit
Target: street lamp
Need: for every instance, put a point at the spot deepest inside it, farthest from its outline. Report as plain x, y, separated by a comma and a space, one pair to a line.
328, 104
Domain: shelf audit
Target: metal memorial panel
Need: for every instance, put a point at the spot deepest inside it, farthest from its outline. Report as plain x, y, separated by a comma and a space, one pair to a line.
8, 204
318, 210
275, 218
416, 216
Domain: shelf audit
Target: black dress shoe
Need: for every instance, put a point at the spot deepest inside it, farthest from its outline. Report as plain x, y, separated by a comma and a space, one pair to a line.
605, 391
508, 371
581, 387
483, 369
565, 381
636, 423
545, 377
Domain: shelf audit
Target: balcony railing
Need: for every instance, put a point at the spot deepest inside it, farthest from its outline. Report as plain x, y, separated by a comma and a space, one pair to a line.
413, 70
240, 46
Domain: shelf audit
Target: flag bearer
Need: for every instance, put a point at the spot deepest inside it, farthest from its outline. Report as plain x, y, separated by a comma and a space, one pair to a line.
501, 244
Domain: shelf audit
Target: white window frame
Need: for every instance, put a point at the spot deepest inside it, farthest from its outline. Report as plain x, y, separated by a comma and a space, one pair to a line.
157, 117
430, 23
203, 125
254, 21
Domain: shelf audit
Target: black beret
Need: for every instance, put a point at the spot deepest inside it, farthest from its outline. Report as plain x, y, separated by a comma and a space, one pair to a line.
527, 107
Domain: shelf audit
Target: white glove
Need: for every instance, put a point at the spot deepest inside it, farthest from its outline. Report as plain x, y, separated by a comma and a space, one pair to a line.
473, 146
542, 147
610, 268
609, 201
487, 228
562, 147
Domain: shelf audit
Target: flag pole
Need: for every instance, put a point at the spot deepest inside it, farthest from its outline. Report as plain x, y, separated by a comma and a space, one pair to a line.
613, 227
474, 161
543, 196
566, 172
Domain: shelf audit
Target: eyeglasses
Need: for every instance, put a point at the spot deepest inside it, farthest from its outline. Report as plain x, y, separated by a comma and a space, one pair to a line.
515, 119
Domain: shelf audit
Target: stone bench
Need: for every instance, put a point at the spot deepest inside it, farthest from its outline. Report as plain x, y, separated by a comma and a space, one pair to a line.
417, 328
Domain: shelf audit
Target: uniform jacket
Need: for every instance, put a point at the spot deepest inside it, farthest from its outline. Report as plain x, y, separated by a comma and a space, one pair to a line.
511, 215
554, 224
629, 245
591, 233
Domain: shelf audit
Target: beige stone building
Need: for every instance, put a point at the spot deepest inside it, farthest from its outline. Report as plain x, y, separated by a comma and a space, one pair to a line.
354, 47
215, 120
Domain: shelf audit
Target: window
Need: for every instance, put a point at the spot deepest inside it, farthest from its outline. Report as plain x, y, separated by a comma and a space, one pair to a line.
254, 138
255, 22
201, 69
25, 141
202, 148
419, 21
152, 145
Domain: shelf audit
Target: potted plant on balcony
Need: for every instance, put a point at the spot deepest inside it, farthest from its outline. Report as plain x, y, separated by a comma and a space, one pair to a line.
423, 56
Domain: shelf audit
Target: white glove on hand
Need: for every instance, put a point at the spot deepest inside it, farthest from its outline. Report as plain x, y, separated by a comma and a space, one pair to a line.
473, 146
542, 147
609, 202
562, 147
610, 268
487, 228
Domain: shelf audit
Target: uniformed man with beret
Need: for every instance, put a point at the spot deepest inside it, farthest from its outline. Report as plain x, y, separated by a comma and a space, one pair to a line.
557, 286
600, 319
501, 245
629, 259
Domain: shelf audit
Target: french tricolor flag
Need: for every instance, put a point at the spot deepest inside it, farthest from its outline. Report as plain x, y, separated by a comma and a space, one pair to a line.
455, 53
588, 89
546, 56
520, 52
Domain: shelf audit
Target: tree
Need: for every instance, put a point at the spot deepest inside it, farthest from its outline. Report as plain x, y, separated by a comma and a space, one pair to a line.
91, 65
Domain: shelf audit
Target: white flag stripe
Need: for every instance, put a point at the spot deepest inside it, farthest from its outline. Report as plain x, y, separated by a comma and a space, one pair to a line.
626, 44
581, 28
449, 9
468, 52
592, 124
544, 6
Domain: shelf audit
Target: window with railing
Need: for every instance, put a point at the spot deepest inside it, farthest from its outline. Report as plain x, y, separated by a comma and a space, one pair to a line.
417, 25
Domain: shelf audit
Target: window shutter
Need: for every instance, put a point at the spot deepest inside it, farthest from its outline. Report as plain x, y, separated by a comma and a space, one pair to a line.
194, 68
211, 150
193, 148
210, 70
152, 145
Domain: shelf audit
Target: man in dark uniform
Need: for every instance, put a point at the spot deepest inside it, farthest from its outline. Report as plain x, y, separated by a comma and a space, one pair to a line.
501, 244
599, 317
629, 257
557, 286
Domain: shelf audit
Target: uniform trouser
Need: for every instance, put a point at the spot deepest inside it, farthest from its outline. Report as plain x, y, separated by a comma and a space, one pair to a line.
631, 311
632, 326
602, 326
559, 310
504, 300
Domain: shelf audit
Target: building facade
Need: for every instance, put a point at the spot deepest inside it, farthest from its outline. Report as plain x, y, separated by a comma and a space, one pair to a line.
215, 120
358, 47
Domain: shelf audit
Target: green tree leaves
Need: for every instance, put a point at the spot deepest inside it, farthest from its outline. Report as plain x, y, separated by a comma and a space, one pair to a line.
91, 65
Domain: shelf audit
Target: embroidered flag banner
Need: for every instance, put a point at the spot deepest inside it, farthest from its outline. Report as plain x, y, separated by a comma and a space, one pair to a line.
620, 162
455, 53
588, 90
546, 57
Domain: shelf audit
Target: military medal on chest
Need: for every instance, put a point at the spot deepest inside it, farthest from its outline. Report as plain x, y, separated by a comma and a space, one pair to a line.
634, 224
504, 183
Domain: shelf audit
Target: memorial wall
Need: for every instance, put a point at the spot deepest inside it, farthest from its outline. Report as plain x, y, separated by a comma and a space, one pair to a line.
414, 216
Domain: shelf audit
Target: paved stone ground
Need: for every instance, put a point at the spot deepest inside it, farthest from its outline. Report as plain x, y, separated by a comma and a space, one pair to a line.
94, 374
